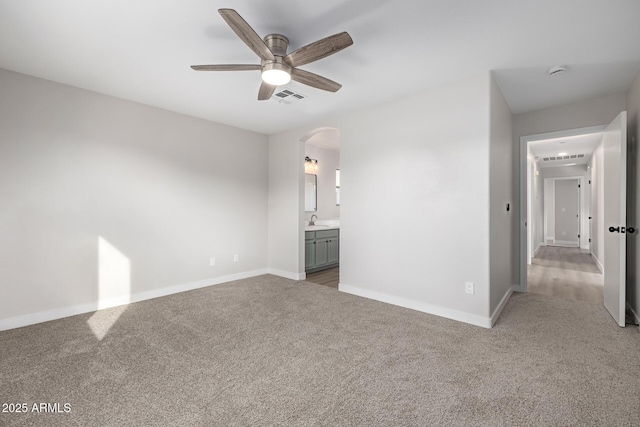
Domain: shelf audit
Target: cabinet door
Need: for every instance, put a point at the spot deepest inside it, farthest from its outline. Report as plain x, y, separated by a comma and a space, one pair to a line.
333, 248
309, 254
321, 252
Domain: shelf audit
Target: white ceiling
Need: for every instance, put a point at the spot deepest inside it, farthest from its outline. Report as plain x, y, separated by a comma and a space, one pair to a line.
141, 50
571, 145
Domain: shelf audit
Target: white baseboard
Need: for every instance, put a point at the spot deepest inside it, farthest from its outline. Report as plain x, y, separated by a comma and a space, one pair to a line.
287, 274
500, 307
552, 238
598, 263
537, 249
460, 316
517, 288
571, 243
59, 313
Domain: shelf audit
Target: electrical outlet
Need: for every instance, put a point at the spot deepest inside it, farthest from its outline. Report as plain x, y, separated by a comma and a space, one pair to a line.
212, 261
468, 287
236, 258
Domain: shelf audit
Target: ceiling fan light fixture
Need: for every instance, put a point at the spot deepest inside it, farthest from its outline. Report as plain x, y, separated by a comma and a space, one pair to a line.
275, 74
276, 77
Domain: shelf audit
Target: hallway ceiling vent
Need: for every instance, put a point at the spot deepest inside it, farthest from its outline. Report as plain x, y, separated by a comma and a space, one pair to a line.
572, 156
288, 96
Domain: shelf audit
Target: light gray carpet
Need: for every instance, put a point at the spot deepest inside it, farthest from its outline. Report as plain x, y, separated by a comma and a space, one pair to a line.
272, 351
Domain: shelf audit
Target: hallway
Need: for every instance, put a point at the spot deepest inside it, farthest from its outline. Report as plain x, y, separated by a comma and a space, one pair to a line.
568, 273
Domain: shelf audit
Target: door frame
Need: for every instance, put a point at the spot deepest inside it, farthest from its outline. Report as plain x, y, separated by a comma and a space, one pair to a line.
525, 196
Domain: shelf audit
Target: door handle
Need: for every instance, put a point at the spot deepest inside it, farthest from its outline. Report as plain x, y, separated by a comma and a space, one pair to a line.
629, 230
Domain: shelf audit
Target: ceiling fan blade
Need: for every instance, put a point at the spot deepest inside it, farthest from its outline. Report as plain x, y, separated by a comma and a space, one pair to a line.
246, 33
227, 67
265, 92
314, 80
318, 50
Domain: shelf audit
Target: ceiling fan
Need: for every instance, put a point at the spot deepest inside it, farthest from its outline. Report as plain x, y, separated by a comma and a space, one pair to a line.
278, 67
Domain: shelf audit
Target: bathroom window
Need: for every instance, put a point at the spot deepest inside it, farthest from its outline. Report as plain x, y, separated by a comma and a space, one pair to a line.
337, 187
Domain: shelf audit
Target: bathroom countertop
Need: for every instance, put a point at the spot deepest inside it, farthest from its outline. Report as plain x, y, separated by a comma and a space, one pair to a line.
330, 224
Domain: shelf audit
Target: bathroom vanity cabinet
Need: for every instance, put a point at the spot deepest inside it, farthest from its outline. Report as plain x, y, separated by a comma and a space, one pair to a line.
322, 249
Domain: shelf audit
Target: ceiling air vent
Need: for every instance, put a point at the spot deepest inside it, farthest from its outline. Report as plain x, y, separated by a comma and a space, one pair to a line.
288, 96
573, 156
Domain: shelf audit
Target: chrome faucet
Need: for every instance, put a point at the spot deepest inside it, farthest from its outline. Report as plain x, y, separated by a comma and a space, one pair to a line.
311, 221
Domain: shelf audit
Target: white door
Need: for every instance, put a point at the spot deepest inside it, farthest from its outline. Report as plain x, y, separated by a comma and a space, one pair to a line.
567, 212
615, 218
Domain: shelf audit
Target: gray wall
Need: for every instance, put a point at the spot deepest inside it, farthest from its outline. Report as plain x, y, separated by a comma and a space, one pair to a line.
415, 199
286, 204
164, 191
633, 199
537, 238
500, 181
597, 206
537, 210
425, 159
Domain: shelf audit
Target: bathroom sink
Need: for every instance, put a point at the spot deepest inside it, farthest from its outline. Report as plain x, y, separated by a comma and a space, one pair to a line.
315, 227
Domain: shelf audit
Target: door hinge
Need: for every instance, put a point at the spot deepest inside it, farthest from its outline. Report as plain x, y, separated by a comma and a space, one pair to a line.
589, 240
578, 185
578, 236
589, 181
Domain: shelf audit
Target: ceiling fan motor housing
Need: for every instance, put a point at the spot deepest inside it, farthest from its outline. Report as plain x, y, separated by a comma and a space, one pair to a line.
278, 44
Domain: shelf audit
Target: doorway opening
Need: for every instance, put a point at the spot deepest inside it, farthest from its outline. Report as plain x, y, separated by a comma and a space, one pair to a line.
559, 256
322, 206
562, 211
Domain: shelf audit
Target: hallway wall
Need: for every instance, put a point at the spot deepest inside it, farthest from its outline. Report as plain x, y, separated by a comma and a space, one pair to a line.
633, 200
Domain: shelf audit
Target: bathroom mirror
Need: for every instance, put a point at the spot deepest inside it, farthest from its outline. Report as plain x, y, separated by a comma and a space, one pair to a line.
310, 192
